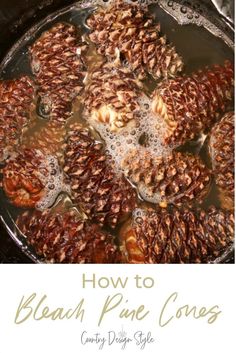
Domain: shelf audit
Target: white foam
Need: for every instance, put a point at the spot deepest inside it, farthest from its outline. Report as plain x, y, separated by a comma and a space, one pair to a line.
153, 127
54, 183
138, 216
119, 143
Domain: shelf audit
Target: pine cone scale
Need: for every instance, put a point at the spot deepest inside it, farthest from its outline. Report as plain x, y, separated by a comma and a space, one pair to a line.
137, 38
177, 178
103, 195
16, 102
178, 236
221, 150
58, 69
189, 105
66, 238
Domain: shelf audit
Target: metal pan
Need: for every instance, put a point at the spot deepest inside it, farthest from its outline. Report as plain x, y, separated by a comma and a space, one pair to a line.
184, 23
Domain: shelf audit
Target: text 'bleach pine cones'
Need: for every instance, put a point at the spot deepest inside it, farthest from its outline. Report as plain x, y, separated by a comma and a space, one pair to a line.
102, 167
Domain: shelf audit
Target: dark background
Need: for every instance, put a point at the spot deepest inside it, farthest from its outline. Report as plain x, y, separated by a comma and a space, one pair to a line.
16, 17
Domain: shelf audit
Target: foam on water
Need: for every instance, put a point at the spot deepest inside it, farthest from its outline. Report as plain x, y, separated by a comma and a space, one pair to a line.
153, 127
138, 216
143, 134
54, 183
148, 124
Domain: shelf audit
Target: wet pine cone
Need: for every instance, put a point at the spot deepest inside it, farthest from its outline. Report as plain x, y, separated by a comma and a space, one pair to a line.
177, 236
25, 177
57, 63
66, 238
189, 105
176, 178
126, 30
112, 97
105, 197
221, 147
16, 101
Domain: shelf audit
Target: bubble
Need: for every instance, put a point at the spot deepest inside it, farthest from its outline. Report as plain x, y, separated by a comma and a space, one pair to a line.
54, 183
147, 129
139, 220
53, 172
153, 127
183, 9
138, 215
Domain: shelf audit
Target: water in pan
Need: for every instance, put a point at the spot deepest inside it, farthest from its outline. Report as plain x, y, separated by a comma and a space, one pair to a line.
183, 25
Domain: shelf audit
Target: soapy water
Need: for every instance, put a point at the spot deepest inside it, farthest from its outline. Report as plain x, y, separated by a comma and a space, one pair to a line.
54, 182
207, 50
138, 216
144, 133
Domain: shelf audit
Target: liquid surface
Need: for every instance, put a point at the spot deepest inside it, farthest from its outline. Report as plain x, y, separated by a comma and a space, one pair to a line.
197, 45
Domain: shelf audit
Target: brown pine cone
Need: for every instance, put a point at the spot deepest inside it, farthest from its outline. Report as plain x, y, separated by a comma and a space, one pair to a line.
29, 176
127, 29
221, 147
189, 105
16, 100
177, 236
49, 137
56, 61
66, 238
112, 97
175, 178
104, 196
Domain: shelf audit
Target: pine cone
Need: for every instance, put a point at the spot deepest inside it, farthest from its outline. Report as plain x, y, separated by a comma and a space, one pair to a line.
177, 236
56, 61
48, 138
28, 177
189, 105
66, 238
127, 29
16, 98
176, 178
221, 147
111, 97
106, 198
